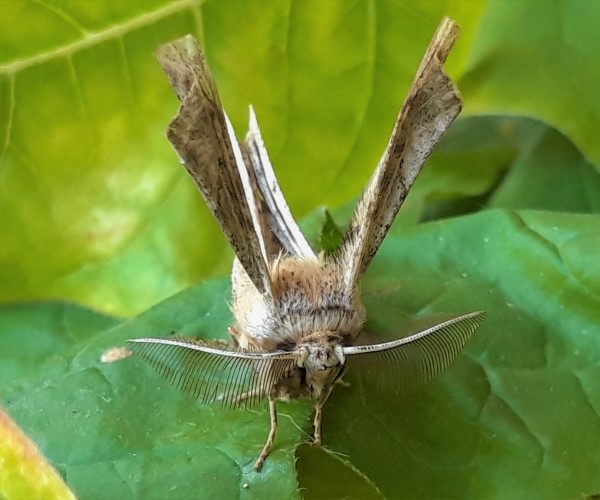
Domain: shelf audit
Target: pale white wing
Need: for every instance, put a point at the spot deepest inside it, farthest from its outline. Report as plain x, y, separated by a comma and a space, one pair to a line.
206, 144
278, 218
431, 106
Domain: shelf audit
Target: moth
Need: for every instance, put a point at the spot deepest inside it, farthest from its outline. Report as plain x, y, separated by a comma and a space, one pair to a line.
299, 318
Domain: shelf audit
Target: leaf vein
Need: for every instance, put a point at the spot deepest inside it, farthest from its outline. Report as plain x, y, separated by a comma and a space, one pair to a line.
93, 38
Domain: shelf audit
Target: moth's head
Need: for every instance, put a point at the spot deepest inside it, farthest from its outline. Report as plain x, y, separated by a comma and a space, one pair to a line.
322, 356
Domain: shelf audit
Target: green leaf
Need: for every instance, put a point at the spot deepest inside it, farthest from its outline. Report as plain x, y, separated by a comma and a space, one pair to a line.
331, 235
121, 429
94, 207
322, 231
33, 335
539, 59
506, 162
468, 165
90, 190
521, 403
344, 482
550, 175
25, 472
516, 416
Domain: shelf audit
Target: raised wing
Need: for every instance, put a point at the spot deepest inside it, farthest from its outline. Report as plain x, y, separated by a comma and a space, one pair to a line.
278, 219
431, 106
210, 372
206, 144
410, 362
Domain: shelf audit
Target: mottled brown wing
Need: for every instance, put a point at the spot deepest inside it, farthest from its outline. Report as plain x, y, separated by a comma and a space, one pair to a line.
212, 373
206, 144
431, 106
408, 363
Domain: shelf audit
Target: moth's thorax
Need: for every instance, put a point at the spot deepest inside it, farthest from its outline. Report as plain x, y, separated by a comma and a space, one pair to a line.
309, 296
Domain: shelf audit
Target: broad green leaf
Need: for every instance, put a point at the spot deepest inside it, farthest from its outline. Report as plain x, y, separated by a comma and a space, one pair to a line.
516, 416
33, 335
539, 59
507, 162
550, 175
334, 75
93, 205
491, 161
468, 164
120, 429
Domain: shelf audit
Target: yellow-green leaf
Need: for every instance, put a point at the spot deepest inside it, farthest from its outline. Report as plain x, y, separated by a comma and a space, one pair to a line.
25, 471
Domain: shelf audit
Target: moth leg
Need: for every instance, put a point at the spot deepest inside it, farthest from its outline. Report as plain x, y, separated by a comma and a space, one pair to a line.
318, 410
269, 444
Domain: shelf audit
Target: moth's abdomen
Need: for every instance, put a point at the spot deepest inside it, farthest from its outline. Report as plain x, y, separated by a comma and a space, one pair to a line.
310, 296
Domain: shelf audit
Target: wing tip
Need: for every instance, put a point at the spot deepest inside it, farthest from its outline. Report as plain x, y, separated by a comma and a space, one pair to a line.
446, 33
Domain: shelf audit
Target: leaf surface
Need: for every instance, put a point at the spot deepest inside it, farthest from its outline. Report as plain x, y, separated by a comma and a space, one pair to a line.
520, 403
121, 429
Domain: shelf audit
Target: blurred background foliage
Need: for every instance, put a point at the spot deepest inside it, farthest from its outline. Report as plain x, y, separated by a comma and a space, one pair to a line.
96, 211
94, 208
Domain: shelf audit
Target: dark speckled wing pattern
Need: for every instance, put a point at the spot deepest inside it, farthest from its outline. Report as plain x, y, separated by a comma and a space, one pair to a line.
205, 142
431, 106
